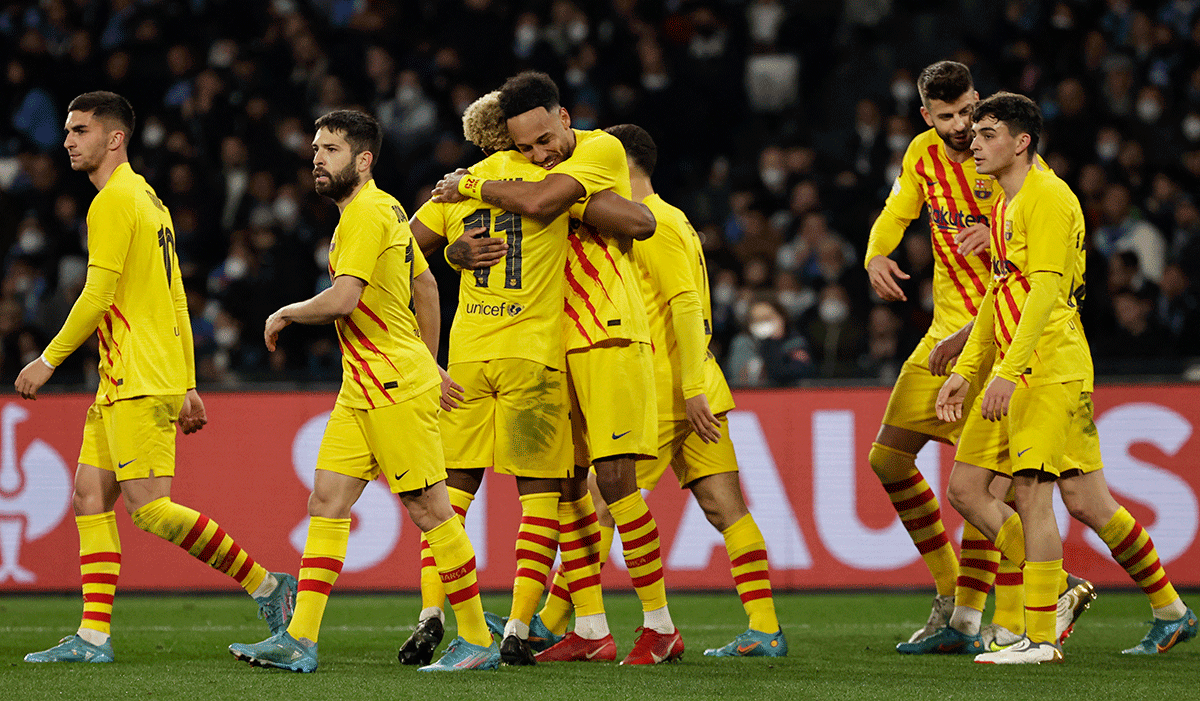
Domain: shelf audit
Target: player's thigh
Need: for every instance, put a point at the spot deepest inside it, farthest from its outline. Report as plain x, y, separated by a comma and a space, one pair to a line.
468, 432
984, 443
671, 434
139, 434
614, 386
413, 458
344, 448
1082, 450
697, 459
533, 424
1039, 423
912, 404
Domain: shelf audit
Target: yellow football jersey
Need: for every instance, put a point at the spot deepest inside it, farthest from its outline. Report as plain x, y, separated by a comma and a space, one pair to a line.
603, 296
671, 262
1042, 230
513, 309
130, 233
957, 197
384, 360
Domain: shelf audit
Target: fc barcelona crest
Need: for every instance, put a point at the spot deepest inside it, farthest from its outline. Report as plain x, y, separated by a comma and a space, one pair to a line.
983, 188
1008, 228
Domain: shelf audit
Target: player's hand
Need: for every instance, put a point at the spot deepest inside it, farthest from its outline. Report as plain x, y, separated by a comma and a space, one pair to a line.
473, 251
275, 323
452, 392
700, 414
883, 271
447, 188
951, 397
192, 416
32, 378
976, 239
996, 398
946, 350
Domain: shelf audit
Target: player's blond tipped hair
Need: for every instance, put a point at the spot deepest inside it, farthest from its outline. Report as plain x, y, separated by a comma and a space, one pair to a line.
484, 125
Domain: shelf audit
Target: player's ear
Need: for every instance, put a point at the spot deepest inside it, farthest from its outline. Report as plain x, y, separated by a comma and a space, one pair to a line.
116, 139
565, 117
365, 160
927, 117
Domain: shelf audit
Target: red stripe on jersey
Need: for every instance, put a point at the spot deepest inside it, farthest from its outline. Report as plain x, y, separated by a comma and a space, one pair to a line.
362, 338
604, 247
112, 338
585, 263
570, 311
998, 215
104, 346
963, 264
120, 316
363, 364
1003, 328
962, 183
1012, 305
374, 317
353, 370
931, 195
578, 289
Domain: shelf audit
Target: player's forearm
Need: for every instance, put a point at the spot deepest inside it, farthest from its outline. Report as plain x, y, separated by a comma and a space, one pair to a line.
324, 308
981, 339
886, 234
613, 215
86, 314
687, 321
427, 308
543, 200
1035, 313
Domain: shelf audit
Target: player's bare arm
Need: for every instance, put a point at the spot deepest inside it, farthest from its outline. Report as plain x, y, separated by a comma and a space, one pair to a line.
543, 200
427, 239
883, 272
947, 349
975, 239
328, 306
613, 215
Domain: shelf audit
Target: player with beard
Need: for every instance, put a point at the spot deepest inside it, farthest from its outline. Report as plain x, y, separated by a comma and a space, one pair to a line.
386, 415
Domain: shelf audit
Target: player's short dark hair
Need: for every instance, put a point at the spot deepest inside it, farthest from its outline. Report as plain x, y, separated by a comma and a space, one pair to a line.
359, 129
528, 91
107, 106
639, 146
1020, 114
945, 81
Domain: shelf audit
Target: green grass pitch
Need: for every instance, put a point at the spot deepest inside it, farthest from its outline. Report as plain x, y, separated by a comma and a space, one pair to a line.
842, 647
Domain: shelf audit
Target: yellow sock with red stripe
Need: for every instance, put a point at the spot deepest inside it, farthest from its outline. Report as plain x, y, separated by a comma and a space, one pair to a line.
1010, 597
1010, 540
1134, 550
639, 537
456, 563
977, 565
919, 511
433, 594
581, 555
324, 554
202, 538
99, 565
1041, 600
751, 576
537, 544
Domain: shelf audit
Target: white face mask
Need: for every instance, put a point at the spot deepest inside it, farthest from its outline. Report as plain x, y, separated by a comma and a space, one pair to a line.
577, 31
723, 294
153, 135
31, 241
226, 336
897, 142
866, 132
407, 95
1191, 127
575, 76
1149, 111
786, 258
796, 302
764, 329
236, 268
773, 178
903, 91
287, 212
1108, 150
294, 141
834, 311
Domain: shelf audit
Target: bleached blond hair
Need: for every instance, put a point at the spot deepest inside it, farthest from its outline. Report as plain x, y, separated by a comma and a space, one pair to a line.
484, 124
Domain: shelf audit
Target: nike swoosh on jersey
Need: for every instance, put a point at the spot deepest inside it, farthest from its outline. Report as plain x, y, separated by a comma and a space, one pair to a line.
616, 436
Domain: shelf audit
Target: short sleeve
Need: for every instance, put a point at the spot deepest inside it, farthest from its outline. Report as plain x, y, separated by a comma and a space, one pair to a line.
111, 221
420, 264
433, 216
598, 162
359, 242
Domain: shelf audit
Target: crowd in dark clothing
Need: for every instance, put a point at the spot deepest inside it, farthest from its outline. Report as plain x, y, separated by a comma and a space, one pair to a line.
780, 126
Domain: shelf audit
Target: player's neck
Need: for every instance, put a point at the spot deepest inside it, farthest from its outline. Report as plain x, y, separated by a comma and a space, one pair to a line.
640, 187
1013, 177
342, 203
101, 175
956, 156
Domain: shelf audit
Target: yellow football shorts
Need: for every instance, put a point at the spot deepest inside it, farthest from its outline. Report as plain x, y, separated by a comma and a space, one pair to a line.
135, 438
911, 405
613, 406
680, 447
514, 418
400, 440
1049, 428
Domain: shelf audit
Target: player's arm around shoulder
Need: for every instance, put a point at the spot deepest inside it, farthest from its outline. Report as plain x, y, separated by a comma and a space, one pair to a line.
613, 215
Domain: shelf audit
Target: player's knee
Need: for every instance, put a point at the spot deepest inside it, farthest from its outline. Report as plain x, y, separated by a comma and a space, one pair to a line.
961, 495
325, 506
889, 464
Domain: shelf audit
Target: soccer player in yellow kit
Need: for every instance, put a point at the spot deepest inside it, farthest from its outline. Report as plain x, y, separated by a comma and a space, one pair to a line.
1039, 393
937, 172
693, 399
609, 362
386, 415
134, 299
506, 352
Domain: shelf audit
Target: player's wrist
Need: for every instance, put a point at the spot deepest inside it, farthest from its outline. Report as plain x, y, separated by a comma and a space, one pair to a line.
47, 363
471, 186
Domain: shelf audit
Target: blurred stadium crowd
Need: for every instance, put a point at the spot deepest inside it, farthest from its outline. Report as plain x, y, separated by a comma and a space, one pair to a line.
780, 125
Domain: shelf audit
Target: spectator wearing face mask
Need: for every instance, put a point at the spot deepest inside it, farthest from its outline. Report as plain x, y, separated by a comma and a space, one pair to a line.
768, 353
836, 337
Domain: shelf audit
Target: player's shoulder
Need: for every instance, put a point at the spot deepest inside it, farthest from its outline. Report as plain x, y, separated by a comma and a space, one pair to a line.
668, 215
921, 144
1047, 183
598, 140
